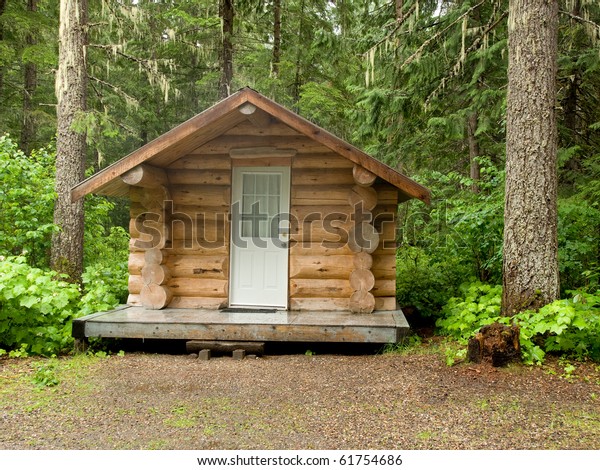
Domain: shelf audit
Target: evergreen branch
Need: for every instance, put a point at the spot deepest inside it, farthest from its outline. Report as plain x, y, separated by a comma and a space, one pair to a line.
455, 69
399, 23
127, 97
580, 19
422, 47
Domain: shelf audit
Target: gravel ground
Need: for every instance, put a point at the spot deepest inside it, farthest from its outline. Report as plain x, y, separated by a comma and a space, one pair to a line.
411, 401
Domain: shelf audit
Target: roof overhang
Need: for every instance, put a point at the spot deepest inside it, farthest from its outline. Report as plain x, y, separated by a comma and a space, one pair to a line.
221, 117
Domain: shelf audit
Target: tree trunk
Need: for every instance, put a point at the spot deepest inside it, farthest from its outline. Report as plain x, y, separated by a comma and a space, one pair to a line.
399, 6
298, 76
570, 102
473, 151
276, 37
71, 81
2, 8
30, 84
226, 12
530, 264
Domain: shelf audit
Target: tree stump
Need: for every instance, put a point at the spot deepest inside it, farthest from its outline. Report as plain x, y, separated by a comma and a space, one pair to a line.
496, 343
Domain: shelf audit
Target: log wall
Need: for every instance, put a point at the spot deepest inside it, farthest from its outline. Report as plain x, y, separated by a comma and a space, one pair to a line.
323, 186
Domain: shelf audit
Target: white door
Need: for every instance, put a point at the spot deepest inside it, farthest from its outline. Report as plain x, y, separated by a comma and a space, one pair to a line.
259, 236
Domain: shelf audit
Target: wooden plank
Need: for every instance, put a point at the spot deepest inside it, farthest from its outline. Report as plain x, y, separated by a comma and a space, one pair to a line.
260, 152
319, 231
384, 288
210, 303
334, 288
202, 162
202, 267
306, 214
205, 324
384, 266
386, 303
179, 247
223, 144
199, 177
274, 129
319, 248
319, 304
210, 332
209, 195
200, 230
320, 267
193, 287
262, 161
313, 176
186, 287
325, 161
308, 195
250, 347
145, 176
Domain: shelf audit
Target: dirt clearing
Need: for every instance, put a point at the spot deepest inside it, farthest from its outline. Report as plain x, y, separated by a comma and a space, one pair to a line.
414, 401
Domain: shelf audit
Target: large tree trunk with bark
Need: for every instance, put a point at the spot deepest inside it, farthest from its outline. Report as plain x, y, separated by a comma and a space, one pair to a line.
226, 12
530, 264
71, 81
30, 84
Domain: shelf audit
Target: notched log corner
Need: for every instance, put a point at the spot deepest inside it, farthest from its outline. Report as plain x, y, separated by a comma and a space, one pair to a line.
496, 343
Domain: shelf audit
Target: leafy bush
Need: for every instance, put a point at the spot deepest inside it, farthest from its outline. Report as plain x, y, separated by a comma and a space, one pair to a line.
568, 326
26, 202
426, 284
578, 246
35, 308
456, 240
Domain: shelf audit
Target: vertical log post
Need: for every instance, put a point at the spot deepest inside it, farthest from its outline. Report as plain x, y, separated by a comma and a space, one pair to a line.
152, 192
363, 240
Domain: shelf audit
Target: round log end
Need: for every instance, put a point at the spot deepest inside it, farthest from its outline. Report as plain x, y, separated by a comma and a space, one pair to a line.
155, 297
362, 302
362, 279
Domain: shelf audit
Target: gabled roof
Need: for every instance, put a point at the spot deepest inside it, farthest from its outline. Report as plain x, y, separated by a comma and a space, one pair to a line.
215, 121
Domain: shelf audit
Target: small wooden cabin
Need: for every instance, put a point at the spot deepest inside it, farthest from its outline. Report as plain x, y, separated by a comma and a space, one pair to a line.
249, 206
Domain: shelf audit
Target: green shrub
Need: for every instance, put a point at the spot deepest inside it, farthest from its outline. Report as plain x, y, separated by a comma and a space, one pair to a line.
36, 308
568, 326
26, 202
425, 284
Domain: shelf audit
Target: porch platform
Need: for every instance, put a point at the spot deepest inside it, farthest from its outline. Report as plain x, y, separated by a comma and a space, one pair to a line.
215, 325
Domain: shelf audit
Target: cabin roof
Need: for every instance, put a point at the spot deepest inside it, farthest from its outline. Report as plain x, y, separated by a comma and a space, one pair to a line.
215, 121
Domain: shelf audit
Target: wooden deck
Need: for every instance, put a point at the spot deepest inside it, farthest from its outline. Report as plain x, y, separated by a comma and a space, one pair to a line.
215, 325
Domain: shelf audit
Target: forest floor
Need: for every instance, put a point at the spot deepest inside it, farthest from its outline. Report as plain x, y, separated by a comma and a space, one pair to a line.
411, 400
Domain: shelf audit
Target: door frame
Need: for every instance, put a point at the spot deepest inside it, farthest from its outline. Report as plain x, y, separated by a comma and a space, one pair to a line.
285, 197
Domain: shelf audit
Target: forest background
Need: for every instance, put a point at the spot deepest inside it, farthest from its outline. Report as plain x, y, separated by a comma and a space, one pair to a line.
420, 85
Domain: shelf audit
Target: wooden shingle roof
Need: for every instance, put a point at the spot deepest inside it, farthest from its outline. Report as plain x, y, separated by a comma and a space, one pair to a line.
215, 121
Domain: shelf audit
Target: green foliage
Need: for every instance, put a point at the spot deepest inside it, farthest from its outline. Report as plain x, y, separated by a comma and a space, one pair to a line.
36, 307
456, 240
424, 283
45, 374
26, 202
479, 305
568, 326
407, 344
578, 246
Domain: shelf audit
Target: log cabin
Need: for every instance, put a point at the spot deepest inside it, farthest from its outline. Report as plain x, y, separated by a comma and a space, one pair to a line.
250, 223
